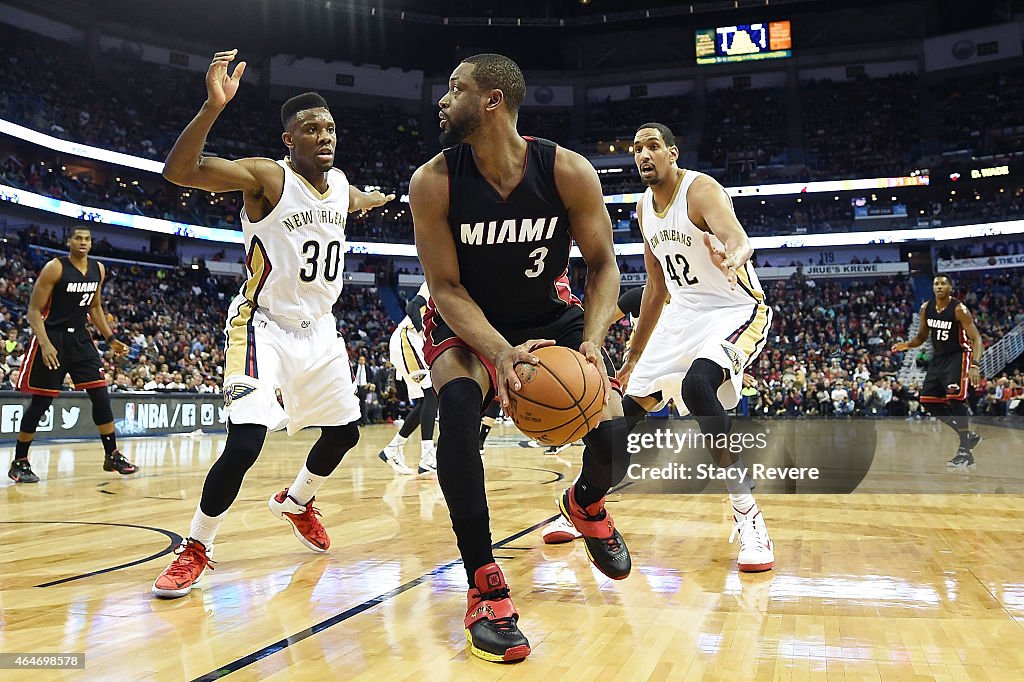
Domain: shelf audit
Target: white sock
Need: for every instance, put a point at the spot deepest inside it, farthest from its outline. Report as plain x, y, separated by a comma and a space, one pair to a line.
204, 528
427, 447
742, 503
398, 441
305, 486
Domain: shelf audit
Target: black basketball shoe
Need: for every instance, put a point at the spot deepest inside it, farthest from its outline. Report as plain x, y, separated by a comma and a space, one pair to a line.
21, 472
491, 618
115, 461
962, 459
605, 546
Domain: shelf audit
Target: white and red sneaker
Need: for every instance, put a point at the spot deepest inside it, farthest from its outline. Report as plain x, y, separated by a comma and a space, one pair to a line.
559, 531
189, 564
757, 551
305, 524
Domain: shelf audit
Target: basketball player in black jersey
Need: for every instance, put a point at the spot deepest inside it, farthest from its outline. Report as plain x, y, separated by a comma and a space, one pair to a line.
494, 217
66, 295
957, 350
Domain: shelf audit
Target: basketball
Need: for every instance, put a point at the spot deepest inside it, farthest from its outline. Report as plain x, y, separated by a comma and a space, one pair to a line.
561, 398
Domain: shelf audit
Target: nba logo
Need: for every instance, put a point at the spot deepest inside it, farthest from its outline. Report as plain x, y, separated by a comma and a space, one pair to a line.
129, 412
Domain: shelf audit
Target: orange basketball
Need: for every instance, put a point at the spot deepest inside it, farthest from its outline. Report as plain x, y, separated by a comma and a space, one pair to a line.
561, 398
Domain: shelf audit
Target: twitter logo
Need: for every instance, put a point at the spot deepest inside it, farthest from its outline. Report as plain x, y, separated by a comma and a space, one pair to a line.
68, 418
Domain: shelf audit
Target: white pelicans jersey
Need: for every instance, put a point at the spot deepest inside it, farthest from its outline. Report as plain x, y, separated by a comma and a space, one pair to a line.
295, 255
693, 280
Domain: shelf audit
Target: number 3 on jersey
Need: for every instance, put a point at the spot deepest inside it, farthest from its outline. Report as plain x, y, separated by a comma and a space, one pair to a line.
332, 261
538, 255
674, 274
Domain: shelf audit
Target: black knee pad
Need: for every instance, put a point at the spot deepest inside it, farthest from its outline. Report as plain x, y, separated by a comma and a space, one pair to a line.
460, 472
606, 459
429, 414
101, 412
32, 415
458, 408
329, 449
342, 438
243, 444
700, 393
633, 412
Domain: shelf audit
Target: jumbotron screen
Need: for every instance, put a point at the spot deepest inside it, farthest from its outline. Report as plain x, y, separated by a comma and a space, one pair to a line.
746, 42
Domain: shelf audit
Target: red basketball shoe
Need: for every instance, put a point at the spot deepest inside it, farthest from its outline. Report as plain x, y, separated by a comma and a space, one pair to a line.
305, 524
605, 546
184, 573
491, 619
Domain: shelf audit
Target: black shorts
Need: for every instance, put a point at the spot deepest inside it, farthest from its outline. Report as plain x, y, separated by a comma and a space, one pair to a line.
566, 330
946, 378
77, 355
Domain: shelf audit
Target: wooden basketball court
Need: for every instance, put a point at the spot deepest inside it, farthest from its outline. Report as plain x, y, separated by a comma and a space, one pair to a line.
866, 586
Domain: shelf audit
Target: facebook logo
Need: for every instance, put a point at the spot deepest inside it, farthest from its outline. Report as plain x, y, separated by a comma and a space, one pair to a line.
188, 415
10, 419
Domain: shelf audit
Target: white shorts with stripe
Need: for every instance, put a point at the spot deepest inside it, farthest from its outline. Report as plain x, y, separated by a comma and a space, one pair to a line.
729, 336
407, 357
308, 368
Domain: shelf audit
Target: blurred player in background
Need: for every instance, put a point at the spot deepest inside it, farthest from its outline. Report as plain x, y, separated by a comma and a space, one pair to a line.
66, 296
957, 348
406, 349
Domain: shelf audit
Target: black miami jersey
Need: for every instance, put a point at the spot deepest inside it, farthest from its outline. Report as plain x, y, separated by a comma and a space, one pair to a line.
947, 334
73, 294
513, 253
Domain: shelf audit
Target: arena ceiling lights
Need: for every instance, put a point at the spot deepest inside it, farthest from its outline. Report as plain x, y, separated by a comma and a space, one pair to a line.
572, 14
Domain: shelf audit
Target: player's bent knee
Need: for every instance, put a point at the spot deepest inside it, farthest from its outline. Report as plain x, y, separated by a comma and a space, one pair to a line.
101, 410
607, 444
340, 438
244, 443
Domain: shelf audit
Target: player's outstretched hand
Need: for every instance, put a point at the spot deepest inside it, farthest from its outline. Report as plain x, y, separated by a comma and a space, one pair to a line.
592, 353
974, 375
221, 87
376, 198
726, 262
119, 347
900, 347
505, 366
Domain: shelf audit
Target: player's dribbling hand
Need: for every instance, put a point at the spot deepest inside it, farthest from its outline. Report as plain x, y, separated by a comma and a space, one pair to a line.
900, 347
49, 353
505, 366
724, 261
221, 87
592, 353
119, 347
974, 376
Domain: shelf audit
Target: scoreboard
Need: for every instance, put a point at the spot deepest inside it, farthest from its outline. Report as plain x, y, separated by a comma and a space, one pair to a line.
746, 42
